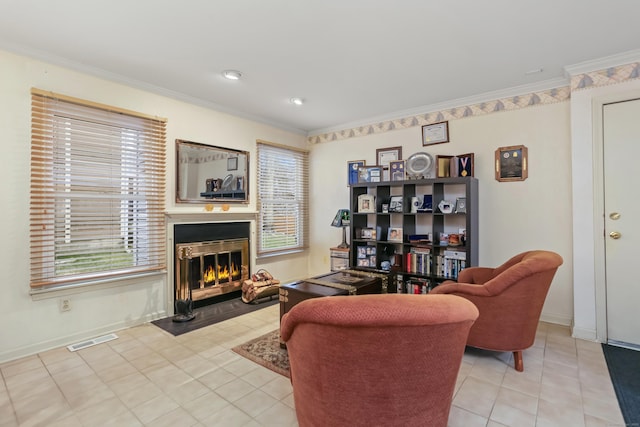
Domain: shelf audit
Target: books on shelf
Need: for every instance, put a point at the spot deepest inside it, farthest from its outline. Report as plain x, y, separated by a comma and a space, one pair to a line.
418, 260
450, 263
415, 285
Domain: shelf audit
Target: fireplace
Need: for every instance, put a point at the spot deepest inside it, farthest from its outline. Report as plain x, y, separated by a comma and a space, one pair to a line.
211, 260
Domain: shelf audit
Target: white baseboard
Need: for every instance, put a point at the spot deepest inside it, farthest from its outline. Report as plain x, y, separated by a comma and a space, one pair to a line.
70, 339
584, 334
555, 319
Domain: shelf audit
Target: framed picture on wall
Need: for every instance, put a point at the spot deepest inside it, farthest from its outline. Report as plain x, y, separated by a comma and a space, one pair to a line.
436, 133
385, 156
511, 163
232, 164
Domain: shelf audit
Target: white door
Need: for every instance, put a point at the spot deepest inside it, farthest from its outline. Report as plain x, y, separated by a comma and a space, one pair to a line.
621, 127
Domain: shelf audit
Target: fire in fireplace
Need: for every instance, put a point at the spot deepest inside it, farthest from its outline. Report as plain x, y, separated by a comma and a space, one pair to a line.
209, 268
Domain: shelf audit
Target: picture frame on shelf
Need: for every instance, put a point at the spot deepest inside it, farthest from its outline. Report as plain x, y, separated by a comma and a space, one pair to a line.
461, 205
362, 252
465, 164
369, 174
352, 170
435, 133
368, 234
511, 163
395, 204
366, 203
394, 234
384, 156
460, 165
396, 170
443, 166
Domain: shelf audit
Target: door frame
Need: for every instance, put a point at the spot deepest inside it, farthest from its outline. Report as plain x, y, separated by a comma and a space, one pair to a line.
599, 267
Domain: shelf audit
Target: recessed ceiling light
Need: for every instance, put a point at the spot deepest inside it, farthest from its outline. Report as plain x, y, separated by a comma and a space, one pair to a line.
297, 101
232, 74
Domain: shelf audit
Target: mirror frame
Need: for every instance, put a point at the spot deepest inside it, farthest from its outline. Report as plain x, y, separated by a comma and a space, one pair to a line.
229, 196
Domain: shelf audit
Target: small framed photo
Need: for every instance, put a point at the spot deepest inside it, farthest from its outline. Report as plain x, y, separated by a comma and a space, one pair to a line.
395, 204
352, 170
461, 205
396, 170
436, 133
366, 203
362, 252
368, 234
369, 174
385, 156
511, 163
232, 164
394, 235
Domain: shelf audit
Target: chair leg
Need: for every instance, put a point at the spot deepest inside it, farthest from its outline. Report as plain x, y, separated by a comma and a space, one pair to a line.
517, 358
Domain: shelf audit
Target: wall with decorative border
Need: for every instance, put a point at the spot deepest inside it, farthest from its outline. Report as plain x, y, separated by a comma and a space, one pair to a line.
603, 77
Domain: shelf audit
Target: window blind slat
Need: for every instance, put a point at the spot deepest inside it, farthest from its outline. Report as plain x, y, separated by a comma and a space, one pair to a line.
97, 191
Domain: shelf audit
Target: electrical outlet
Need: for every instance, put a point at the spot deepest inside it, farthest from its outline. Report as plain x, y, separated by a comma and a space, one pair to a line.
65, 304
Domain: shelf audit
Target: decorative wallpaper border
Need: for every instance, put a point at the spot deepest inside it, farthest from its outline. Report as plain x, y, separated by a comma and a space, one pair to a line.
579, 81
505, 104
606, 77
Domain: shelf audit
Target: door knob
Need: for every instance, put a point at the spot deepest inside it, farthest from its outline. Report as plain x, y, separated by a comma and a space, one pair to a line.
615, 235
614, 215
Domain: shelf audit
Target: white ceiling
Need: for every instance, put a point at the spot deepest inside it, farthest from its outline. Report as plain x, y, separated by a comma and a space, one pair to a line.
352, 61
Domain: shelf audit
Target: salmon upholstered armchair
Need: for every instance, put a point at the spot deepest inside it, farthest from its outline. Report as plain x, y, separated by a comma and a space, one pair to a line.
376, 360
510, 299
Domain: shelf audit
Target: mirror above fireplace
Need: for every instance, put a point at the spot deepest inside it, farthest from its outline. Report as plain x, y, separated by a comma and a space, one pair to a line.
208, 174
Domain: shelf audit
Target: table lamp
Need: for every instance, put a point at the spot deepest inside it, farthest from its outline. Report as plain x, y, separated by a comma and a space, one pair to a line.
342, 219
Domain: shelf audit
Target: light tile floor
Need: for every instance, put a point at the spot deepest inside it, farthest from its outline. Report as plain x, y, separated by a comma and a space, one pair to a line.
148, 377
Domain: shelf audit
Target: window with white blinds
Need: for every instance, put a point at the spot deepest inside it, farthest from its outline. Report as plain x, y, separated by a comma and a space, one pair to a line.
283, 199
97, 191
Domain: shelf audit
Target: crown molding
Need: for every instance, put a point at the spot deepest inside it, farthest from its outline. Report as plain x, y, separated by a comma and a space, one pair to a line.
39, 55
603, 63
456, 103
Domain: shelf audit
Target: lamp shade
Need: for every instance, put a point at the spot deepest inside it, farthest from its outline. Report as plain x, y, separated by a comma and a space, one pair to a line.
342, 218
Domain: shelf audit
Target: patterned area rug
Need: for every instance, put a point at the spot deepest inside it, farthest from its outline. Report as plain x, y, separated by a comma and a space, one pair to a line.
266, 351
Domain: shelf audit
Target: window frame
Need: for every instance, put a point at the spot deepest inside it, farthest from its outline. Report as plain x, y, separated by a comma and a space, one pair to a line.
73, 141
271, 169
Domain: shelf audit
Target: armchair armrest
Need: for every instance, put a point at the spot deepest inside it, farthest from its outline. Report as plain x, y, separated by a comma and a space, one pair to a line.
476, 275
450, 287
